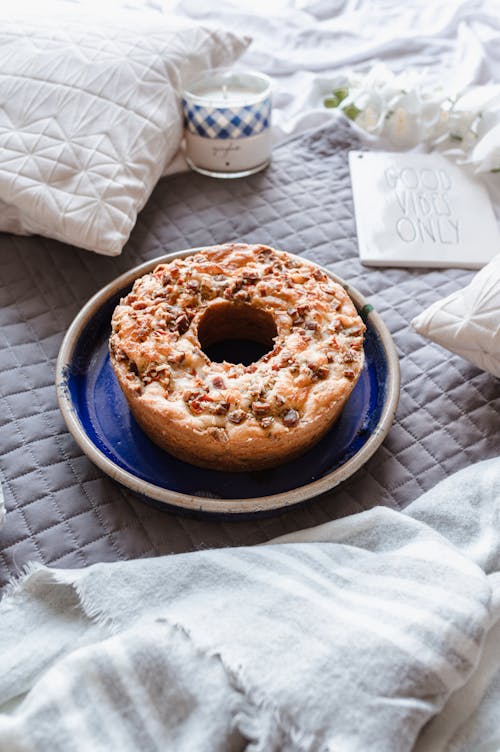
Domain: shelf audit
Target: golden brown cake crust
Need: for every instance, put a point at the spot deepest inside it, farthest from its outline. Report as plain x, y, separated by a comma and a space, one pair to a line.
228, 416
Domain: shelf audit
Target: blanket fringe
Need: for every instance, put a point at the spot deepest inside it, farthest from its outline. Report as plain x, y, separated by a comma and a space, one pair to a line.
34, 571
257, 718
19, 580
267, 730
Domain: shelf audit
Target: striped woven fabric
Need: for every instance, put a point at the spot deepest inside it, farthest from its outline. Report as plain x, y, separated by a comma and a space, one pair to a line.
347, 637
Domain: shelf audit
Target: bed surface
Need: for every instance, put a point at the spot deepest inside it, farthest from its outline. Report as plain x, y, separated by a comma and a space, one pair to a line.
63, 511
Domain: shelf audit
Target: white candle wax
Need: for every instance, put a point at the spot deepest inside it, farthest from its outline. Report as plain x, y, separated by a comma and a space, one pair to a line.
225, 96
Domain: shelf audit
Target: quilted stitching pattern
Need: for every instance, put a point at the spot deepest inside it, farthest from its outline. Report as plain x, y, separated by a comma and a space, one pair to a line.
467, 321
65, 512
89, 117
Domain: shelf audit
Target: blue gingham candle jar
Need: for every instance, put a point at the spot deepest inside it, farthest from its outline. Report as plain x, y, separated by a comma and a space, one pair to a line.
227, 121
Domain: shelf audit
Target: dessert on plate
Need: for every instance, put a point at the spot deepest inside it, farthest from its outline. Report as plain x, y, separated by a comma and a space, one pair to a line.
232, 416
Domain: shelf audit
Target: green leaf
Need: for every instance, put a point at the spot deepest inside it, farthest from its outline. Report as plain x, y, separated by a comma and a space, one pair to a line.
331, 101
341, 93
351, 111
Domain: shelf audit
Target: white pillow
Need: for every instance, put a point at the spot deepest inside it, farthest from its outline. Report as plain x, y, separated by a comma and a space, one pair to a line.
467, 322
90, 116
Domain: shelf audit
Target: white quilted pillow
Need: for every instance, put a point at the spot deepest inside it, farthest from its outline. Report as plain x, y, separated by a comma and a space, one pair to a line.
467, 322
90, 116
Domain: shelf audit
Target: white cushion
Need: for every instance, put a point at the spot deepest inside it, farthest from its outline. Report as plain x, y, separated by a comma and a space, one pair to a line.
467, 322
90, 116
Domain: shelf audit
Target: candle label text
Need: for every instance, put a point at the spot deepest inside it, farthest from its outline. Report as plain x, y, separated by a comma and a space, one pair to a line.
224, 152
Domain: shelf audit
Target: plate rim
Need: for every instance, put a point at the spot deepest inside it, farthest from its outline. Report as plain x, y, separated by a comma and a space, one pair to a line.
234, 506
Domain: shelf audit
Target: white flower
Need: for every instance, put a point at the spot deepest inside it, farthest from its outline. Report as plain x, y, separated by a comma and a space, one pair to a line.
401, 109
372, 115
441, 129
486, 154
402, 128
430, 116
479, 98
403, 123
371, 120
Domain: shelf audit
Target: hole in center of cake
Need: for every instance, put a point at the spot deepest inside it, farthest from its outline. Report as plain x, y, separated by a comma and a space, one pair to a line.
236, 333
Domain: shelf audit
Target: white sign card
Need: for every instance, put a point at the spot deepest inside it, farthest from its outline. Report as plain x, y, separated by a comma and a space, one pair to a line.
420, 210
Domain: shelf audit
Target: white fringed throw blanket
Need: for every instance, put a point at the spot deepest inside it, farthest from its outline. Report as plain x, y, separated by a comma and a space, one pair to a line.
375, 632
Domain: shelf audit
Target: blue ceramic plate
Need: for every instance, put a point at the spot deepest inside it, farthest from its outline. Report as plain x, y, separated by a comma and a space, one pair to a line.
98, 416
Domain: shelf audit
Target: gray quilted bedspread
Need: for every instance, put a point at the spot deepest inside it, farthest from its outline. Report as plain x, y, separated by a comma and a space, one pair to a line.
63, 511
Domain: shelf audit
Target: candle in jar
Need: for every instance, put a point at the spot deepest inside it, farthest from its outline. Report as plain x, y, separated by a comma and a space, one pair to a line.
227, 123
